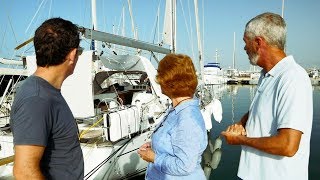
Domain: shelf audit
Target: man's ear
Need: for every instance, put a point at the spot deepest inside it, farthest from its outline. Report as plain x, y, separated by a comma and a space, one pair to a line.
71, 57
259, 40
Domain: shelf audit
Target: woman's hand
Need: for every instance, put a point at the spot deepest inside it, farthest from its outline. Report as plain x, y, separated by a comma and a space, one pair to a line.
145, 146
146, 153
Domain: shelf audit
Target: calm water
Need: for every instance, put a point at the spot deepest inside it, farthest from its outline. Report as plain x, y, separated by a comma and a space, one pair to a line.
235, 102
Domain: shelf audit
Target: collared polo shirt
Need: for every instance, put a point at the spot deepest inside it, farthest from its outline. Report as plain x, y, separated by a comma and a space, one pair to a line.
283, 100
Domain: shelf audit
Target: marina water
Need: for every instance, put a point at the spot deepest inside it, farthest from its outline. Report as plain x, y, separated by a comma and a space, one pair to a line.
235, 101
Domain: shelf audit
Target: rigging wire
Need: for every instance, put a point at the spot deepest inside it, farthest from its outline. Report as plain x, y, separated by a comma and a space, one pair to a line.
4, 35
121, 20
135, 34
14, 34
5, 30
95, 169
188, 32
50, 6
155, 30
191, 32
34, 16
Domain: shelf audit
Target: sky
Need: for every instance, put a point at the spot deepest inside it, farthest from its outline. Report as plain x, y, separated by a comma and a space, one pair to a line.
219, 21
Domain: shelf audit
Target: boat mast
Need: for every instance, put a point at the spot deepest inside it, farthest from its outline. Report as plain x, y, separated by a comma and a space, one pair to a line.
94, 43
199, 39
94, 14
174, 26
282, 9
169, 25
216, 56
234, 51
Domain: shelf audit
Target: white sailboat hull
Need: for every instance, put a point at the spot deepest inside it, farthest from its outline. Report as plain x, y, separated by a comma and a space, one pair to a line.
103, 161
118, 162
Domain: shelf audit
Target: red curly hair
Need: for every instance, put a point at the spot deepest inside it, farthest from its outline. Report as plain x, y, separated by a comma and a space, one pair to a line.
177, 76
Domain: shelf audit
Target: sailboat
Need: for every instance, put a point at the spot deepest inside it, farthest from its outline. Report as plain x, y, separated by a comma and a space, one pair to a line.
116, 103
11, 72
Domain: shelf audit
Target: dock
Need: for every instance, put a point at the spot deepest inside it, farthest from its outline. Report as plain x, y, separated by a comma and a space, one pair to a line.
243, 80
254, 81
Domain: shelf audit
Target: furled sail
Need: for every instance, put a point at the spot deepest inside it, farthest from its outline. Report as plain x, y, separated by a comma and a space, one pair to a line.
169, 23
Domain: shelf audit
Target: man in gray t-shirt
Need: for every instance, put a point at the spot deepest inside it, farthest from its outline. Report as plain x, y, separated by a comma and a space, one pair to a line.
44, 129
41, 116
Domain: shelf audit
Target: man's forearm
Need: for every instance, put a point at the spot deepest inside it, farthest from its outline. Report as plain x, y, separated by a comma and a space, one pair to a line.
285, 143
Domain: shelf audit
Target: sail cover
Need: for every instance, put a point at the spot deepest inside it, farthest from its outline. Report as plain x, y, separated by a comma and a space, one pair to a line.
119, 62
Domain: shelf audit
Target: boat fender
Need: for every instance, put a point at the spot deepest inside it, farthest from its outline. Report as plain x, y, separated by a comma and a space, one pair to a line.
216, 157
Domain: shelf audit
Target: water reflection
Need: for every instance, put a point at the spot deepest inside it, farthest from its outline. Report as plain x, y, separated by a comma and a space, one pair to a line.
217, 91
230, 92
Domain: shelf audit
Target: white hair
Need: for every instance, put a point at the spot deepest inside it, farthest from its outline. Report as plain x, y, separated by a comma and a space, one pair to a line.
270, 26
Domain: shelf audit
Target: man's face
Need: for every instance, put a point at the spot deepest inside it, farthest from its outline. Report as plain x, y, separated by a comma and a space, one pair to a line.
250, 50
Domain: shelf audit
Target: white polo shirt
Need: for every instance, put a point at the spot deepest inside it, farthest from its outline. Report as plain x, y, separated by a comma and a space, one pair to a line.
283, 100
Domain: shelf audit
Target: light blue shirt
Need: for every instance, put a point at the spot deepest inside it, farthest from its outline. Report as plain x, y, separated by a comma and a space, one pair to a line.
283, 100
178, 143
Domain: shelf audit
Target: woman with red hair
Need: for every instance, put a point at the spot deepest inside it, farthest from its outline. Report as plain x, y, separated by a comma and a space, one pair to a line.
180, 139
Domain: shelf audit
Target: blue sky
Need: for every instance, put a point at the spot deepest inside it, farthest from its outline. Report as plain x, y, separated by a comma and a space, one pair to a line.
19, 19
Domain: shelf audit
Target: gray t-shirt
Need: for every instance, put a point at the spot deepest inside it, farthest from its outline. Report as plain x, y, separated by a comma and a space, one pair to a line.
41, 116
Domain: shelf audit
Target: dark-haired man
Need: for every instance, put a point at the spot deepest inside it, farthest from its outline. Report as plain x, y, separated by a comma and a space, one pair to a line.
44, 129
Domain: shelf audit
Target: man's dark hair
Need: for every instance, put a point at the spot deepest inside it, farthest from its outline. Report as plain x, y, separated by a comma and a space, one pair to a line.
53, 40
